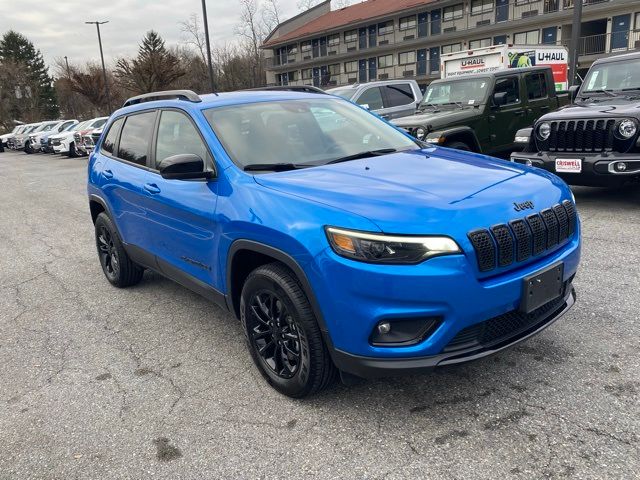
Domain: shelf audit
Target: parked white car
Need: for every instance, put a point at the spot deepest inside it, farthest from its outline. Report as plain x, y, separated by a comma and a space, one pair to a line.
4, 138
61, 141
18, 141
37, 139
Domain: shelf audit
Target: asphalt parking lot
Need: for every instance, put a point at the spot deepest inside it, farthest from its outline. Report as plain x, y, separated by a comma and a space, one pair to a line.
98, 382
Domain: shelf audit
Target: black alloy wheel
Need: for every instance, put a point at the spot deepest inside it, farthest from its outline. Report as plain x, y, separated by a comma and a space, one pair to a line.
108, 253
274, 334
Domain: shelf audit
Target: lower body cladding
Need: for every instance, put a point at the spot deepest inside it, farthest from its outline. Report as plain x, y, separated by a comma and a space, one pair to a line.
607, 169
404, 319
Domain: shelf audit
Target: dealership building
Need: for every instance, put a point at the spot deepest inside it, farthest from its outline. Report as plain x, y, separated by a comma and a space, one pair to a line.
392, 39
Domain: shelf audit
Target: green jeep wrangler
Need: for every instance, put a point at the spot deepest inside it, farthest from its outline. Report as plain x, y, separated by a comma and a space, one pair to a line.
482, 112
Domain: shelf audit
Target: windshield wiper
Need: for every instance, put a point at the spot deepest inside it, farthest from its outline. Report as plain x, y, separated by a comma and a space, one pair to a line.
370, 153
273, 167
427, 104
602, 90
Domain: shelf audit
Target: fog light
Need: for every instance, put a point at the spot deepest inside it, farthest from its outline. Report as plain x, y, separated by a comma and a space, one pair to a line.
621, 166
384, 328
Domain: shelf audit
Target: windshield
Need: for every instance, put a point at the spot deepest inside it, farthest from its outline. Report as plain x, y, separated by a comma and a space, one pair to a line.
466, 92
303, 132
99, 123
44, 127
342, 92
613, 76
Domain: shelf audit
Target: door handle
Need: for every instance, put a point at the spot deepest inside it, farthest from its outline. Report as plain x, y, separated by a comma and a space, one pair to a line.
151, 188
107, 173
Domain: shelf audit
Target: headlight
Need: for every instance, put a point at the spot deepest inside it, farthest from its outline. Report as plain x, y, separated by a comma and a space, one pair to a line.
544, 130
627, 128
421, 133
394, 249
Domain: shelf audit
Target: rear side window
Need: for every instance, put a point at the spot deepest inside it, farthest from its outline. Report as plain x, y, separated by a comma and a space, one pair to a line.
511, 86
176, 135
135, 138
536, 86
108, 145
372, 97
398, 95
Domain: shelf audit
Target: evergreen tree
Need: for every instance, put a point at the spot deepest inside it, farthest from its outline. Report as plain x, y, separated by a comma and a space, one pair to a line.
35, 89
155, 68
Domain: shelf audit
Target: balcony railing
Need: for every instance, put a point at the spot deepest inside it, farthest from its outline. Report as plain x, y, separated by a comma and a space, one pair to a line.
514, 10
613, 42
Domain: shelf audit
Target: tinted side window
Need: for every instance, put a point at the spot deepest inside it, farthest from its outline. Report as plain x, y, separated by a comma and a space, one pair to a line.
399, 94
371, 97
511, 86
135, 138
176, 135
110, 139
536, 86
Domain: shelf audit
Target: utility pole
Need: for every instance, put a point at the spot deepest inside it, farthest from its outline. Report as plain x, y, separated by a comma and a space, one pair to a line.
104, 70
575, 40
206, 36
73, 107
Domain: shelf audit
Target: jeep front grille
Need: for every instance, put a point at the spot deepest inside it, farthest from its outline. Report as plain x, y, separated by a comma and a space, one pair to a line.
505, 244
584, 136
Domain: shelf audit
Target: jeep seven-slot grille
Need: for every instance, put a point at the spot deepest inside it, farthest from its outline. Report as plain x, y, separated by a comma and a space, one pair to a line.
584, 136
504, 244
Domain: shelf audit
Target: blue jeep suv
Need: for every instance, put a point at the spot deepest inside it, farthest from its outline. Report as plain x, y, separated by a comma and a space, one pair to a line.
340, 242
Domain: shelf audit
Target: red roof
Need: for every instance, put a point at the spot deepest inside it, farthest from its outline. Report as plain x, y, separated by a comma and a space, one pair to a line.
360, 12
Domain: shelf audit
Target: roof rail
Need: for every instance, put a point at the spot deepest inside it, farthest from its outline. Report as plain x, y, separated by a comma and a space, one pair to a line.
291, 88
187, 95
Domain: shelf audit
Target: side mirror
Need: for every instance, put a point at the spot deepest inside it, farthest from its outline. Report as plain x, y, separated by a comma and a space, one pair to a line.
183, 167
500, 99
573, 92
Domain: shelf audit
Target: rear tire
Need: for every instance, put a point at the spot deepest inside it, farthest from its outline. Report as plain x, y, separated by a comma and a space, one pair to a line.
459, 146
283, 335
116, 264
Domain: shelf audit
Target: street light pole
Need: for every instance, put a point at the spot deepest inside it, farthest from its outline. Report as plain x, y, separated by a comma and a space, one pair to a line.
206, 37
575, 39
104, 70
73, 108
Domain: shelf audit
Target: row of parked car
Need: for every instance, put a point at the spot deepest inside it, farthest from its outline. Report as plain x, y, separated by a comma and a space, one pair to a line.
69, 137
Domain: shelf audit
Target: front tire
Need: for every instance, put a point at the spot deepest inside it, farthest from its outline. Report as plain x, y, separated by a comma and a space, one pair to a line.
116, 264
284, 338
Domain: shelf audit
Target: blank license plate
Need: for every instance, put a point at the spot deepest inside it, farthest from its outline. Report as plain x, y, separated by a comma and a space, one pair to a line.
541, 288
568, 165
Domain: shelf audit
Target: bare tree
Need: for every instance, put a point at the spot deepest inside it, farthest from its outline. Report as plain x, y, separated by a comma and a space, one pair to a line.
271, 15
194, 36
304, 5
251, 31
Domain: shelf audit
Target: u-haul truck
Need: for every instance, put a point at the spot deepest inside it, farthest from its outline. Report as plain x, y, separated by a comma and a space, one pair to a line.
489, 59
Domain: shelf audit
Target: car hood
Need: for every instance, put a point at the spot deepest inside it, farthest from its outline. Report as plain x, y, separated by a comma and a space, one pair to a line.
595, 110
437, 120
436, 190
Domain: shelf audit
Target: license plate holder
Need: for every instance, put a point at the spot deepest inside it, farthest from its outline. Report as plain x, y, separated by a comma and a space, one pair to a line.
542, 287
568, 165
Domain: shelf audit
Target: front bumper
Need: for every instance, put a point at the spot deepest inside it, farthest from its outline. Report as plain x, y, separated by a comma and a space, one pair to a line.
598, 169
367, 367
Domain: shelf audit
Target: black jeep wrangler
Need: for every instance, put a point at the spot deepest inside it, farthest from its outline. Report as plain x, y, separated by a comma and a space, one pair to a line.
596, 140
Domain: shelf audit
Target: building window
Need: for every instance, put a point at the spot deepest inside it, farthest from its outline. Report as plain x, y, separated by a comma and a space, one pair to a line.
292, 49
453, 47
407, 23
525, 2
307, 73
334, 69
351, 67
481, 6
305, 47
385, 27
385, 61
405, 58
333, 40
527, 38
293, 76
483, 42
351, 36
453, 12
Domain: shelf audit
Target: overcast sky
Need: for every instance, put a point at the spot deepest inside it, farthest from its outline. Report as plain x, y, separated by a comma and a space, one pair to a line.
57, 27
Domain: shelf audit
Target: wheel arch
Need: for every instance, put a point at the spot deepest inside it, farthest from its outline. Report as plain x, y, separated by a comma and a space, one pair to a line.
96, 206
244, 256
460, 134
